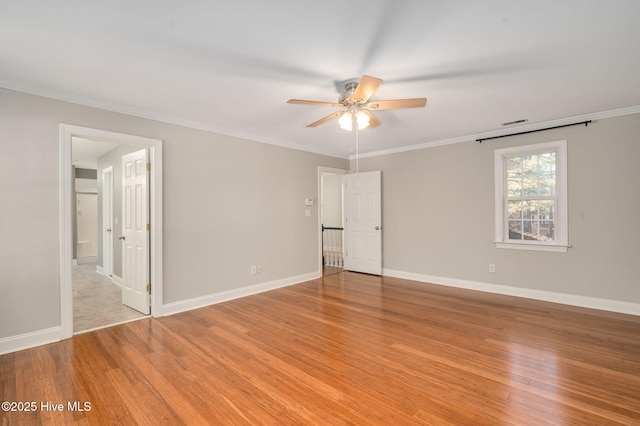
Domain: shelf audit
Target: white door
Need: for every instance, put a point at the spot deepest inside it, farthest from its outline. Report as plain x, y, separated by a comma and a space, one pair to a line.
135, 236
362, 222
107, 221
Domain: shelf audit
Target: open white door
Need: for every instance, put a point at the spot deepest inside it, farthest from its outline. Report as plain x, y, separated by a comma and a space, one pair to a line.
135, 235
362, 222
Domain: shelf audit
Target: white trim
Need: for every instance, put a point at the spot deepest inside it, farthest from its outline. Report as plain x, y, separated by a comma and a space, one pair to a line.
99, 270
29, 340
135, 112
211, 299
528, 293
526, 245
155, 181
505, 132
67, 210
561, 242
116, 280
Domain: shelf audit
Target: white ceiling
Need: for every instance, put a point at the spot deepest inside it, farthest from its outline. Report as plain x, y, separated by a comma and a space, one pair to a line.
85, 152
231, 65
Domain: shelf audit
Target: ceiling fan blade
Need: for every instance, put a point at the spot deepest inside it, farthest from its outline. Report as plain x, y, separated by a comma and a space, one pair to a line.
366, 87
327, 118
396, 103
373, 120
317, 103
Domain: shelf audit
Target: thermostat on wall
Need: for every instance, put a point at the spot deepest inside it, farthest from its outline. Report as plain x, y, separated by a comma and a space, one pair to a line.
308, 201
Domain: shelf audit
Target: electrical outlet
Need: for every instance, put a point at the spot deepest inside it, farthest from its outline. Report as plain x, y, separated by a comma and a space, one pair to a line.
492, 268
254, 269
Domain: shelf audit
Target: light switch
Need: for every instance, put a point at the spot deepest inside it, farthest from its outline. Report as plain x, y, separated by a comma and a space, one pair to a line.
307, 212
308, 201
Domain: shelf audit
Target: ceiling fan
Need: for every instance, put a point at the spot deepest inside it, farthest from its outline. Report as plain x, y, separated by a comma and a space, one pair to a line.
355, 106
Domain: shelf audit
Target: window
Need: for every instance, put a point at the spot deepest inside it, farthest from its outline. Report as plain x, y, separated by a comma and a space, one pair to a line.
531, 197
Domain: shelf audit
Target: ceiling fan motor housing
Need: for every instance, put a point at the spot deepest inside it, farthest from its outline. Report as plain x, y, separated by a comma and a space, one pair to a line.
349, 89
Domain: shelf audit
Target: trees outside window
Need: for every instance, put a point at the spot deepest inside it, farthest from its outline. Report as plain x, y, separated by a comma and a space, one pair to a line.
531, 194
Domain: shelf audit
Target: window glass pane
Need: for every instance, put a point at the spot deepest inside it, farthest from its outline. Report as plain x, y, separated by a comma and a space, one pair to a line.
531, 220
527, 196
514, 209
546, 174
531, 175
514, 215
514, 179
545, 226
515, 230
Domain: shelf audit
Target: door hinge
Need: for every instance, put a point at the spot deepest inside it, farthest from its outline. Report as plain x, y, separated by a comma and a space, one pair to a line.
148, 166
149, 288
148, 227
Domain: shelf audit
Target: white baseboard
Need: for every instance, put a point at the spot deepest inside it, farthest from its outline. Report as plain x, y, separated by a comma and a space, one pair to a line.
99, 270
29, 340
547, 296
117, 280
211, 299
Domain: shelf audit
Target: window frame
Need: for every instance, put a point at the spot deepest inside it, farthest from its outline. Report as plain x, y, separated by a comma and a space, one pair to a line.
561, 229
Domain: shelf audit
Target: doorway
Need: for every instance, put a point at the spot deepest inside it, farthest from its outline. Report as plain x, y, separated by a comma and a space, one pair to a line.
67, 214
99, 284
330, 218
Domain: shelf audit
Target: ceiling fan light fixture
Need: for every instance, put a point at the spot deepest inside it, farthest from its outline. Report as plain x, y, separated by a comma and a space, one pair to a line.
363, 120
347, 120
355, 107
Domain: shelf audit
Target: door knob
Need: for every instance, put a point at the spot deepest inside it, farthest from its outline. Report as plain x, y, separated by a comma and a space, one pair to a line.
378, 228
121, 237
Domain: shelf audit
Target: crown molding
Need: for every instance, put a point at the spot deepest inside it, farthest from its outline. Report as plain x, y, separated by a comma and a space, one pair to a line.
135, 112
502, 132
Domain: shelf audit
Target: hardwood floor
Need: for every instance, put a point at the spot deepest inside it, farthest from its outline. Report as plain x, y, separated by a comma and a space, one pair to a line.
330, 270
344, 349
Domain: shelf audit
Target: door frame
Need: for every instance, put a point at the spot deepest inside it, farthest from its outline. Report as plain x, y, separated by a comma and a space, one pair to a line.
107, 212
323, 170
67, 131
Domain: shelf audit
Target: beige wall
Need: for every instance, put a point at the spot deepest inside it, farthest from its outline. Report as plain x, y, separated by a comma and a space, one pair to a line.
438, 214
332, 200
228, 204
231, 203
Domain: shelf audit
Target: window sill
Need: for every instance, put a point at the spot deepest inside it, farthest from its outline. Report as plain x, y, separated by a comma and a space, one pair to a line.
556, 248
